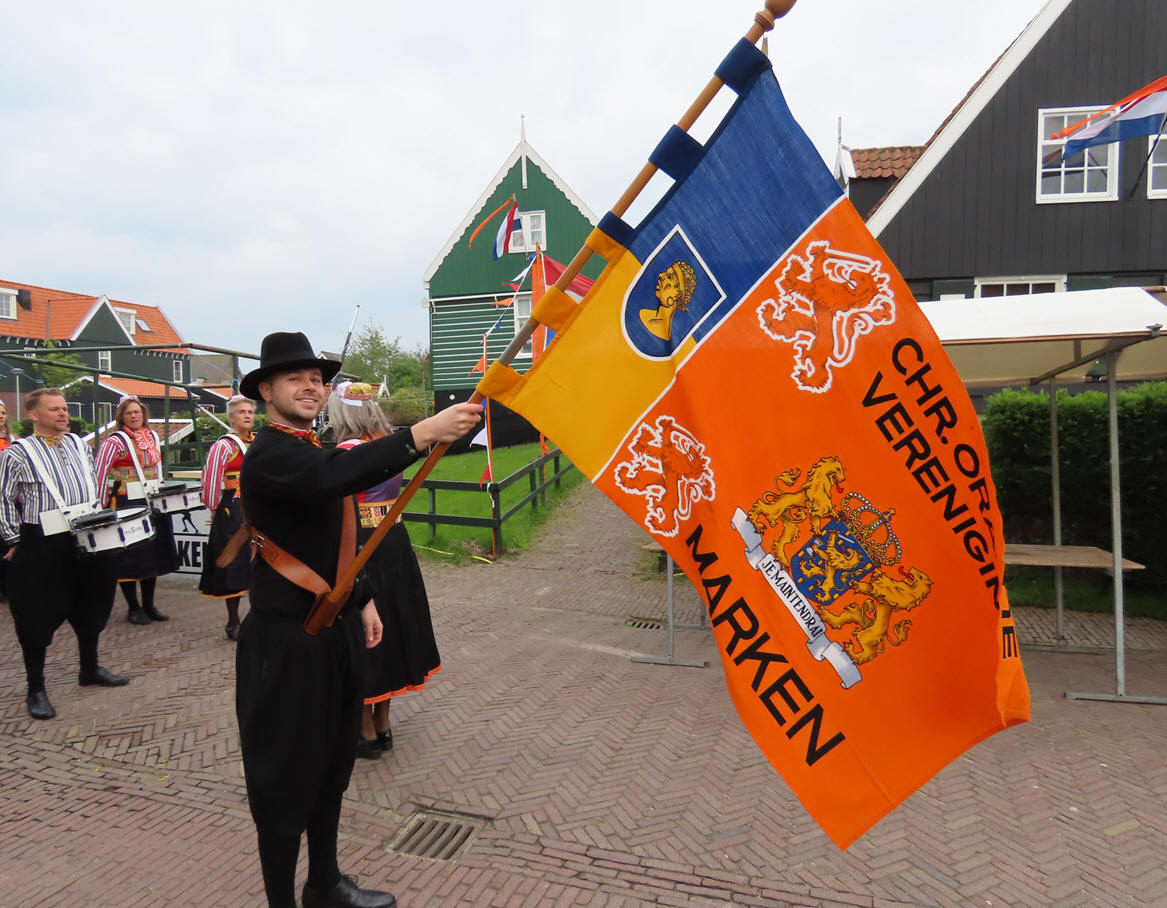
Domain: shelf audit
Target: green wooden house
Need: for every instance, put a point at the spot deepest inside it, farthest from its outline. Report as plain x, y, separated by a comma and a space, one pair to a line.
464, 285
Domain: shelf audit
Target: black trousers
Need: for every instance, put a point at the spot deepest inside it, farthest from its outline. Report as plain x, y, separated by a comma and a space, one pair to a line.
298, 702
51, 582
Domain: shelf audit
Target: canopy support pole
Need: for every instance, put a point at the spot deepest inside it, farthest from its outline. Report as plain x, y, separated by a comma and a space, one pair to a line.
671, 658
1120, 694
1056, 482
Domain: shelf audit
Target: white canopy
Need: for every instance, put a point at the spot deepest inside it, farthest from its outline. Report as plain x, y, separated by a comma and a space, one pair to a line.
1016, 340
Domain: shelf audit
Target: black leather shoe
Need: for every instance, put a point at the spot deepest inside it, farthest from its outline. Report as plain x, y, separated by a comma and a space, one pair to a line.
103, 677
385, 739
369, 750
345, 894
232, 631
39, 706
153, 614
137, 616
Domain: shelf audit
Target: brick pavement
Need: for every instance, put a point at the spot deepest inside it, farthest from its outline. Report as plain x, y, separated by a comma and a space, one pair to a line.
588, 779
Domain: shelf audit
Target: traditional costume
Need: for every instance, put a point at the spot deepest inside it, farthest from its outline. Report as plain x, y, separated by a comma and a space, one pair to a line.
126, 460
49, 580
408, 652
221, 497
298, 696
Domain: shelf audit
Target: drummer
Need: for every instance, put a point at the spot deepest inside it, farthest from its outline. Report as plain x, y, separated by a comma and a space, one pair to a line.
131, 454
221, 497
50, 581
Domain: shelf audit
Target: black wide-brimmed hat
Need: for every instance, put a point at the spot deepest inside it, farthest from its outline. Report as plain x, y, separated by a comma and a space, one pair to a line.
284, 351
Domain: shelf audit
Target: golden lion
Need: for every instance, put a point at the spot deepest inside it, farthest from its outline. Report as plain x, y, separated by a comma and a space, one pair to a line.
812, 501
874, 615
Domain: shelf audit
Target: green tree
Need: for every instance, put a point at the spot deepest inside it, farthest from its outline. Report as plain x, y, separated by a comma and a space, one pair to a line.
53, 373
404, 372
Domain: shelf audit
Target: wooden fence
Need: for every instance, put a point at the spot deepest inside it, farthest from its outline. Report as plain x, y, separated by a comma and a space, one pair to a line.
539, 480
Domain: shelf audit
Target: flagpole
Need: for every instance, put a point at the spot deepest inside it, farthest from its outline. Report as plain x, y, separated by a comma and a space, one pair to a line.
326, 609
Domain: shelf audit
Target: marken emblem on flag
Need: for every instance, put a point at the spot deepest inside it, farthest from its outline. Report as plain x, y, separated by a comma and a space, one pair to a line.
674, 293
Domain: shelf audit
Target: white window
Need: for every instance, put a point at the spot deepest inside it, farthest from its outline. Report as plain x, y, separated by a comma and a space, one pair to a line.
104, 363
177, 366
8, 304
128, 318
1157, 168
522, 309
1088, 176
142, 326
74, 409
1019, 286
533, 231
104, 412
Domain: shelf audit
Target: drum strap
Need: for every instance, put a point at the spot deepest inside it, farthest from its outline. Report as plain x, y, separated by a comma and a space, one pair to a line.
44, 472
288, 565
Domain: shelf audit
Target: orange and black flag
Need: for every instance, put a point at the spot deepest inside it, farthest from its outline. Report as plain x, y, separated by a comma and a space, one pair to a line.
751, 380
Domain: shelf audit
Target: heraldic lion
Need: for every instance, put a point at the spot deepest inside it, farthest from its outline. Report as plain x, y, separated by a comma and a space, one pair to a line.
792, 508
873, 616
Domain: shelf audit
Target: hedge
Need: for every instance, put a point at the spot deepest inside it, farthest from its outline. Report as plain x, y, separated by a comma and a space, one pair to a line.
1016, 426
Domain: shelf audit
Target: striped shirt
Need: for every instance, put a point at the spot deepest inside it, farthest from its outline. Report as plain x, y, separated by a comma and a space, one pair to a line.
22, 494
113, 452
222, 452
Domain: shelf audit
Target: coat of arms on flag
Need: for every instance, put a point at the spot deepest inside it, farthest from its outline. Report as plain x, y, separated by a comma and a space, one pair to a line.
751, 381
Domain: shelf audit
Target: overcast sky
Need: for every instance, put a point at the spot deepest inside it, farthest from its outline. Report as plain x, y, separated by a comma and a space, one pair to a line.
258, 166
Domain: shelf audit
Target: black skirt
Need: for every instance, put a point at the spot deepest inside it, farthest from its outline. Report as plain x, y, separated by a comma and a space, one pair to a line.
298, 702
235, 578
151, 558
408, 653
50, 582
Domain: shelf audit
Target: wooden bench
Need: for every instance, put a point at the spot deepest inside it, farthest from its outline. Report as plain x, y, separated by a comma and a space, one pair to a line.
1087, 556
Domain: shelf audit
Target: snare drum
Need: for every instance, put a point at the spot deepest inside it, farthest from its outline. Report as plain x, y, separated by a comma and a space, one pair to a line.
175, 497
109, 530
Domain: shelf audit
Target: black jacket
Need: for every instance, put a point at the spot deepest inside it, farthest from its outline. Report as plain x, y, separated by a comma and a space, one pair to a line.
293, 492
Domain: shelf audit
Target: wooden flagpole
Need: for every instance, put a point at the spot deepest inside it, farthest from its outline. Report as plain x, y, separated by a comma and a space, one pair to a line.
326, 609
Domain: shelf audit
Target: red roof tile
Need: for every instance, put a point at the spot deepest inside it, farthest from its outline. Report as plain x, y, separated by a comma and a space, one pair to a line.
58, 314
885, 162
139, 388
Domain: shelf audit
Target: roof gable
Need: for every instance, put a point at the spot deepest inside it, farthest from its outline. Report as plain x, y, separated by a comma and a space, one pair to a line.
518, 170
966, 114
64, 315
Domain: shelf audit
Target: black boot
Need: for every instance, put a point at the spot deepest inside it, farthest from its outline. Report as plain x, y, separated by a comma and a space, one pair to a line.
152, 614
137, 616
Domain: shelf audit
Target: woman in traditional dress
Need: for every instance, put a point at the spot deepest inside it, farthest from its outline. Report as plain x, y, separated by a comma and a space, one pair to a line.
7, 436
130, 454
221, 497
408, 653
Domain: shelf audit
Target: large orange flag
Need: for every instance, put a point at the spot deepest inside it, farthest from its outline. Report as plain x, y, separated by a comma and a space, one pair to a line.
752, 381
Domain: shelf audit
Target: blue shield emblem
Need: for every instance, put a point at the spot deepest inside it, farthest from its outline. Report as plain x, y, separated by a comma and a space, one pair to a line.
673, 294
824, 569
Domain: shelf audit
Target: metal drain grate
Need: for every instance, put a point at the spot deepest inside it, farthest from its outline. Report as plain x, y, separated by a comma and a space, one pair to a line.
434, 834
643, 624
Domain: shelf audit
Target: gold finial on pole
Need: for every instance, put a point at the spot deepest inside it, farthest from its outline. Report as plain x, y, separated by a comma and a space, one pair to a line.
765, 19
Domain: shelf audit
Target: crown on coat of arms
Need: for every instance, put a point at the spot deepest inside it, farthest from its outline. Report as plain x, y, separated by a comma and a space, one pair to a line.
871, 528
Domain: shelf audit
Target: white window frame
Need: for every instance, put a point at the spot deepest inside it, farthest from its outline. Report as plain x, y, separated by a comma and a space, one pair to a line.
8, 307
1046, 145
104, 412
1058, 280
533, 232
1157, 163
74, 408
104, 361
132, 327
522, 311
176, 370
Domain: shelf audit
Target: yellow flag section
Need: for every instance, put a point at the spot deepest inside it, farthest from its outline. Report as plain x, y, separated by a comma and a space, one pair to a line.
752, 382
